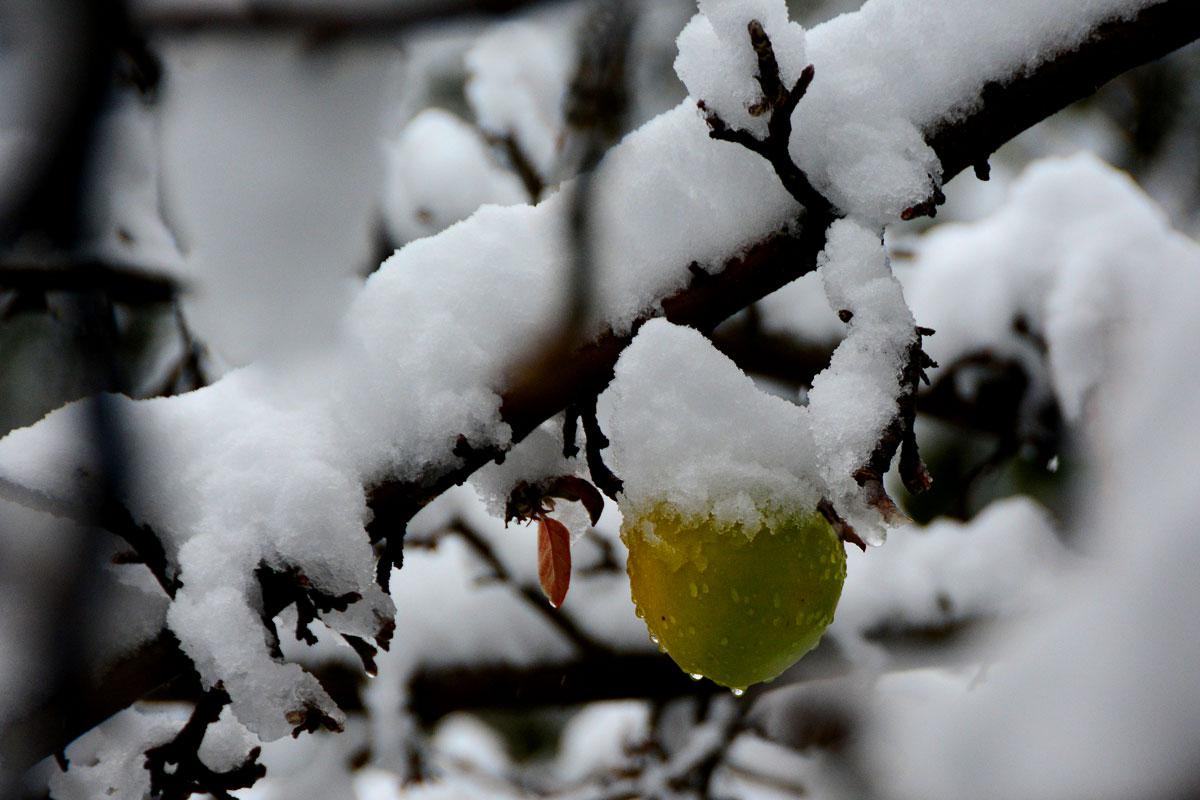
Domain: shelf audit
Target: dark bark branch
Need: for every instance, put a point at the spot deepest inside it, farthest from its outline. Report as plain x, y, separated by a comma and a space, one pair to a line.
436, 692
900, 436
777, 355
176, 770
120, 284
1009, 106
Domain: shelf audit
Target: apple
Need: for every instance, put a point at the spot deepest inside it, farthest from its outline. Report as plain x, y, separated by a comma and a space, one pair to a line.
735, 605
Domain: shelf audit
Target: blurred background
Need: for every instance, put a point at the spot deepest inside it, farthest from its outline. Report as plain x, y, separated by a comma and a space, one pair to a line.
187, 186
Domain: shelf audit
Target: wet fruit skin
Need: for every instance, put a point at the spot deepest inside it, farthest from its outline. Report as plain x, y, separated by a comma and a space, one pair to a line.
734, 608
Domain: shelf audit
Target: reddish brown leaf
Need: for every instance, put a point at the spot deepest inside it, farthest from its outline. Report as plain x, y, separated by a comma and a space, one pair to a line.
571, 487
554, 559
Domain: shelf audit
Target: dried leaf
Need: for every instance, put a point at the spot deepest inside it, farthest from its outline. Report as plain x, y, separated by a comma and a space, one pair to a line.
554, 559
571, 487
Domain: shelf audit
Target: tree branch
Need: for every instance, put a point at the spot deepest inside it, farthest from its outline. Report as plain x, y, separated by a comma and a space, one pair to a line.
121, 284
1010, 106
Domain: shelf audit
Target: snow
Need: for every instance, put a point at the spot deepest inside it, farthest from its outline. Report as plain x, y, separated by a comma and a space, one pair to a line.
1096, 696
854, 399
122, 222
438, 171
34, 552
667, 196
895, 70
1004, 563
763, 770
476, 616
464, 743
308, 514
801, 309
690, 429
517, 80
107, 760
599, 738
1073, 253
57, 596
271, 169
226, 743
718, 65
537, 459
885, 76
317, 767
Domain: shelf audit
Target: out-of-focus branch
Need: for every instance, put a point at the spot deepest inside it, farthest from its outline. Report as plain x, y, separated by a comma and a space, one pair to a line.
437, 691
120, 284
187, 374
322, 21
994, 408
533, 597
773, 354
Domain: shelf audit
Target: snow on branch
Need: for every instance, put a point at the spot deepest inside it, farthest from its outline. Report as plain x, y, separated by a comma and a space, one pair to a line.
268, 466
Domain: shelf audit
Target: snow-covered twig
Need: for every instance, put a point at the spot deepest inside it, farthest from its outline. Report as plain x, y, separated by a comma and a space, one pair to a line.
176, 769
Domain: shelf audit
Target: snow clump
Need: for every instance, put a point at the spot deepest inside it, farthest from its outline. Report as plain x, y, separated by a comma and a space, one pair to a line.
688, 426
438, 171
1072, 257
718, 65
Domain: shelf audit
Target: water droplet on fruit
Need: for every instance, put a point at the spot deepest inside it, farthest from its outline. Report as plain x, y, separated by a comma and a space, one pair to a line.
738, 692
695, 676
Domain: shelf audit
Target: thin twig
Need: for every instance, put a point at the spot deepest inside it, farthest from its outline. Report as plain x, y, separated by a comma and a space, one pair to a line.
558, 619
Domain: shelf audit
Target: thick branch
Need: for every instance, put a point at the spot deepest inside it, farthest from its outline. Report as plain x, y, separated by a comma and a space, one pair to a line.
1010, 105
435, 691
122, 285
